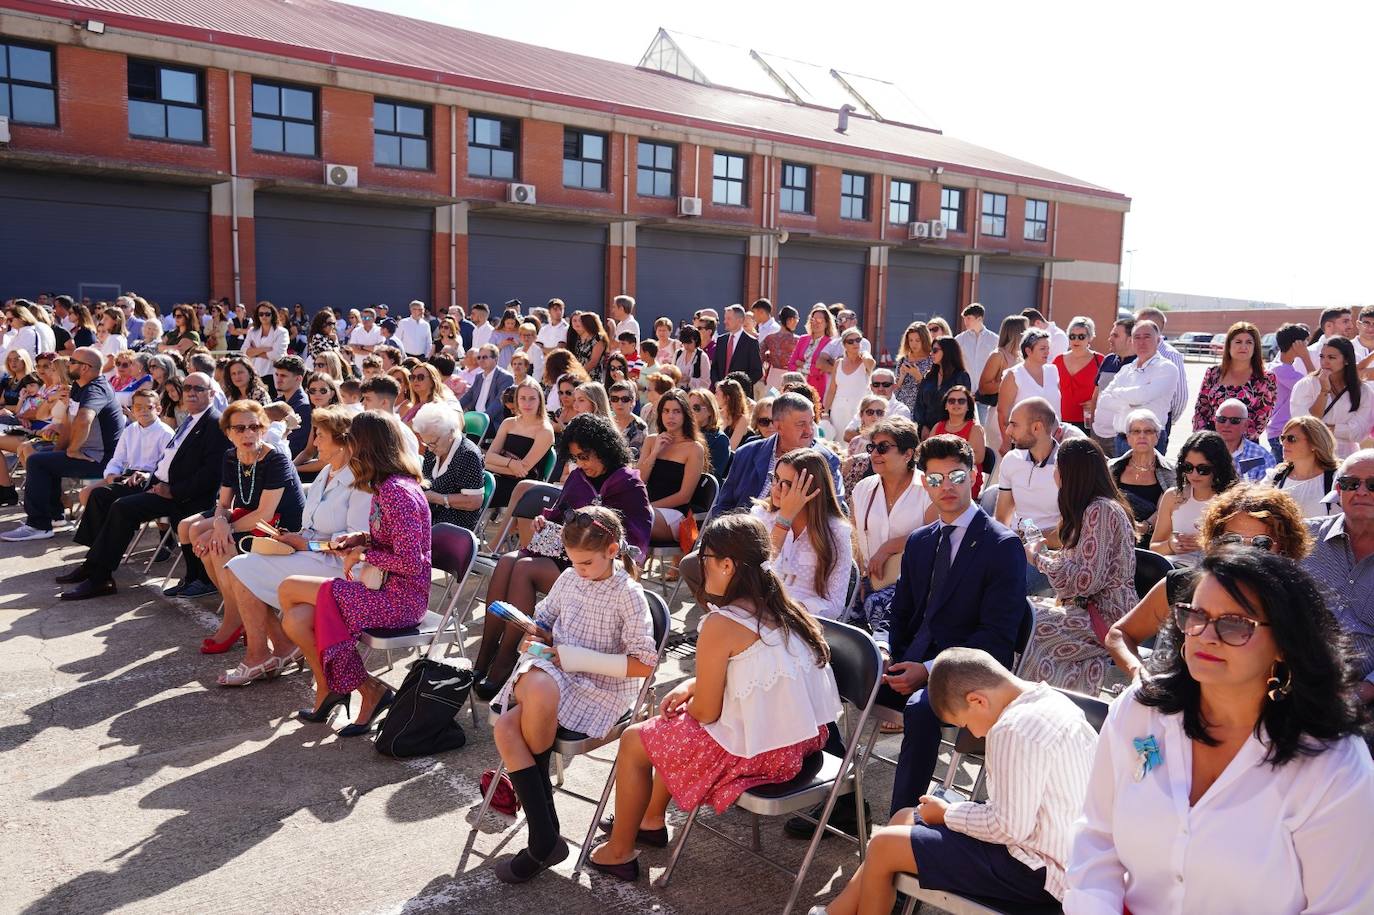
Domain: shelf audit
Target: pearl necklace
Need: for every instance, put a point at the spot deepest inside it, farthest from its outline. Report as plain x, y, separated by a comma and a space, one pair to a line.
252, 474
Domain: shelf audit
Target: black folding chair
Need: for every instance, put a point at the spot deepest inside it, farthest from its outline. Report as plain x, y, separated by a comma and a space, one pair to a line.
1150, 569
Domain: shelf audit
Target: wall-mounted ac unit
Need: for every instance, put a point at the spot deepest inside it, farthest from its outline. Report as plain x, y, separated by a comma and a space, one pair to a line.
689, 206
918, 230
4, 130
520, 193
938, 229
341, 175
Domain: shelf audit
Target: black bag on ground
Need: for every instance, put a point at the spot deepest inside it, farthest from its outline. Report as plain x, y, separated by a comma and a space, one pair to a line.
424, 718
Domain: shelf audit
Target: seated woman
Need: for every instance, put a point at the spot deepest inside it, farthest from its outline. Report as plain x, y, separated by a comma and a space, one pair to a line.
707, 416
735, 413
1248, 514
323, 391
623, 395
242, 383
671, 464
521, 442
452, 466
385, 580
558, 365
1142, 473
603, 473
1308, 467
257, 484
1205, 470
855, 464
810, 538
1093, 575
333, 507
1246, 744
130, 374
426, 387
760, 703
597, 622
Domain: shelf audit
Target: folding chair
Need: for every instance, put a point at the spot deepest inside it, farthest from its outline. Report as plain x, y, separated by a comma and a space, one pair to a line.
702, 500
488, 491
571, 743
533, 501
1150, 568
546, 464
857, 664
475, 425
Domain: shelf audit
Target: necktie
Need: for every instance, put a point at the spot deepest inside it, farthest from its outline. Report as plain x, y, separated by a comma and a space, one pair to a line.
181, 430
940, 569
729, 351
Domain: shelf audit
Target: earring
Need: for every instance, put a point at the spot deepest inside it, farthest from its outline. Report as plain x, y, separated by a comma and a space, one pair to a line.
1278, 691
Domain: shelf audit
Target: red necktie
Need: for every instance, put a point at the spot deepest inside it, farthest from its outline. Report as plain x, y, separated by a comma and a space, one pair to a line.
729, 351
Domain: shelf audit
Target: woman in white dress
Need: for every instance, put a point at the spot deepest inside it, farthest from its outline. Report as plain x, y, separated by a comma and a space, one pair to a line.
1335, 395
851, 372
1205, 469
1308, 467
266, 341
1035, 376
333, 506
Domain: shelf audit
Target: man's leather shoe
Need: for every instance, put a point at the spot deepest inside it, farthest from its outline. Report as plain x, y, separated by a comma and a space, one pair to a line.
843, 818
90, 588
80, 573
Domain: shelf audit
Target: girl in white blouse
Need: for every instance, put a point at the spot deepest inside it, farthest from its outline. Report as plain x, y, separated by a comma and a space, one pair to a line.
759, 704
809, 536
1235, 778
1335, 395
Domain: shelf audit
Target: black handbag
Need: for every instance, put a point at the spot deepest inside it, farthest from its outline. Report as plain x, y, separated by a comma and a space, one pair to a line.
424, 718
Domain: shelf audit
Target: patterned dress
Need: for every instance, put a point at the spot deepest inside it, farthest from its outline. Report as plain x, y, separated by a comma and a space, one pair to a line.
1258, 394
907, 386
1099, 571
399, 526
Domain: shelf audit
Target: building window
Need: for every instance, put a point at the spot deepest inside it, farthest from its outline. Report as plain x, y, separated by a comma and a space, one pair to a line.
657, 166
584, 159
994, 215
899, 197
952, 208
853, 196
27, 93
795, 196
400, 135
166, 103
492, 146
284, 119
1037, 220
727, 179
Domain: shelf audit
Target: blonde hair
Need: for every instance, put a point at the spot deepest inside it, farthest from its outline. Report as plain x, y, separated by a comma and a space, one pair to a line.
1319, 437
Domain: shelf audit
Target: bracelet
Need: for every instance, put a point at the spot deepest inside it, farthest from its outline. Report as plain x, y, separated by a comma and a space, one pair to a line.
446, 505
782, 523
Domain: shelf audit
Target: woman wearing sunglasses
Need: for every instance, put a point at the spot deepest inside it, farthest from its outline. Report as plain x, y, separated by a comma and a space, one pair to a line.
849, 383
946, 371
706, 412
1247, 514
266, 341
1236, 777
623, 395
1078, 373
1308, 469
761, 421
1205, 469
961, 419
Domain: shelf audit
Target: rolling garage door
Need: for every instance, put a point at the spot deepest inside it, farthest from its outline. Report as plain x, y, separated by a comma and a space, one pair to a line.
678, 273
808, 274
1006, 287
96, 237
342, 254
536, 261
919, 287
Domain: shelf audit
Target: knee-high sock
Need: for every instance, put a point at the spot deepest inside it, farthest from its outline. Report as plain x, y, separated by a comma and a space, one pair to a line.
530, 788
195, 569
541, 762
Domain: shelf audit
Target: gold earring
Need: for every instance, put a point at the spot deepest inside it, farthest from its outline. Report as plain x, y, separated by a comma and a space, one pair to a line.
1279, 691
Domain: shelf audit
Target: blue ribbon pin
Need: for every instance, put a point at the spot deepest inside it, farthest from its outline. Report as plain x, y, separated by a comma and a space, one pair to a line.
1147, 751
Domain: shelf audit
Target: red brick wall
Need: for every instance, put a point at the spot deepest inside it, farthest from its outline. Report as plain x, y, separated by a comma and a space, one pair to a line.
1267, 320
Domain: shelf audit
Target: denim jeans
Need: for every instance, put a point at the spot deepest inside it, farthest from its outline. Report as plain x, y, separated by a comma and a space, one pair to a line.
43, 486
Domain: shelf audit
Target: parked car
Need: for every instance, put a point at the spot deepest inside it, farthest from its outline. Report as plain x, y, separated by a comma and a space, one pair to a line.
1269, 347
1194, 343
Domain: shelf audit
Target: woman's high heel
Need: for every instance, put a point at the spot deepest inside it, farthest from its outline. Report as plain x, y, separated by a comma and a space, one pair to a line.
384, 703
315, 716
210, 646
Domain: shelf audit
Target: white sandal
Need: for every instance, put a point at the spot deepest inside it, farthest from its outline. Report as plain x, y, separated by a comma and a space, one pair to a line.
284, 661
243, 675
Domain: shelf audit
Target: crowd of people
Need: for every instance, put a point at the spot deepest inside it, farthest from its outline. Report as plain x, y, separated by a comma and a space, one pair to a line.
978, 507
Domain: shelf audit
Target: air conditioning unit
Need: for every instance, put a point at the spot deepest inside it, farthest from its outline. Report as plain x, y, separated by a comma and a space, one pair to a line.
520, 193
689, 206
4, 130
341, 175
938, 229
918, 230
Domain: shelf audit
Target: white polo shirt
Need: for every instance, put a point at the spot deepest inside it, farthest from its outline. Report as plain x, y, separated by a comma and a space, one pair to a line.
1032, 487
361, 336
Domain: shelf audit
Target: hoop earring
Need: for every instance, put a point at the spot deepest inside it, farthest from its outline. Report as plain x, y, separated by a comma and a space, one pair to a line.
1279, 691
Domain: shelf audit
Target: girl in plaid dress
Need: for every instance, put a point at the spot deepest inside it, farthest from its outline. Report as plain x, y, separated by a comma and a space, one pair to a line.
596, 621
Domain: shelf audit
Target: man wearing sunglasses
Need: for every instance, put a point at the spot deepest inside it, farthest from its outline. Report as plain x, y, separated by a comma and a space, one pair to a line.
882, 383
484, 395
1252, 459
1342, 560
364, 338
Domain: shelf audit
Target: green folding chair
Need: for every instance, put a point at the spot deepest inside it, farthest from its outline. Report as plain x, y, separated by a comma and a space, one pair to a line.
475, 424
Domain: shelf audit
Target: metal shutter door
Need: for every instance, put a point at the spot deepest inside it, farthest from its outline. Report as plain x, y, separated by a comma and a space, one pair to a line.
59, 233
808, 274
677, 273
536, 261
1006, 287
919, 287
342, 254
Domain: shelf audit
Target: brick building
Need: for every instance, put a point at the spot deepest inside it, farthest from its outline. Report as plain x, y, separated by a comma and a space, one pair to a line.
185, 150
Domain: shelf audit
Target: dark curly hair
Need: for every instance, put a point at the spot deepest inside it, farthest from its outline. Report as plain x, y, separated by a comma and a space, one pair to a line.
599, 435
1218, 455
1323, 706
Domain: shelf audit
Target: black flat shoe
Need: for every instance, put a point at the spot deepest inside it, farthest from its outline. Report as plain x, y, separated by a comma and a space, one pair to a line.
333, 700
78, 574
629, 871
88, 589
487, 688
654, 838
356, 730
524, 866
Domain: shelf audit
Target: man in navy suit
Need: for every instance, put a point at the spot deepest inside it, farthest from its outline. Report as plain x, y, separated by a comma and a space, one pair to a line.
736, 350
962, 584
484, 396
794, 426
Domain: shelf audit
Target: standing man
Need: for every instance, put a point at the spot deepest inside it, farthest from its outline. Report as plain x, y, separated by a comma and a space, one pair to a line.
1364, 343
1103, 424
1335, 322
1179, 402
737, 351
763, 319
481, 325
554, 334
1150, 383
976, 343
484, 395
413, 332
622, 314
1251, 458
365, 338
1059, 341
1294, 362
287, 374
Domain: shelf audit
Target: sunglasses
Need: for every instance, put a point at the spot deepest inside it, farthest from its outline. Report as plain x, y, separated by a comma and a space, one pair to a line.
880, 447
245, 427
1259, 541
321, 391
1230, 420
567, 393
622, 400
1078, 336
875, 413
1202, 470
698, 408
580, 456
265, 314
764, 422
195, 387
955, 477
1290, 438
881, 385
957, 402
419, 377
125, 364
1233, 629
1352, 484
485, 357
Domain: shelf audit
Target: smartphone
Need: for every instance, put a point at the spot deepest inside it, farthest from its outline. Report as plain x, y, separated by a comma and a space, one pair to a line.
317, 546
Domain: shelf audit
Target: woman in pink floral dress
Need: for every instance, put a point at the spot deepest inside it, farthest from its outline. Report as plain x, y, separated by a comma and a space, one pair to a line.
325, 616
1241, 375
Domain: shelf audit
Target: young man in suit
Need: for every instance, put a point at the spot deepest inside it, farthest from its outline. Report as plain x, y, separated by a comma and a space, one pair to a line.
184, 482
736, 350
484, 394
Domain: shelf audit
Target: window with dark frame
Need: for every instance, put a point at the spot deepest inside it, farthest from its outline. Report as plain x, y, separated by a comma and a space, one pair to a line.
493, 145
400, 134
728, 172
584, 159
1037, 227
900, 195
795, 194
952, 208
994, 221
27, 84
284, 119
853, 196
166, 103
656, 172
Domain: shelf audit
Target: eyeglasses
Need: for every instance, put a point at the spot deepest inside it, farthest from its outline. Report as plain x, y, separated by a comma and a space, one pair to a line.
1147, 431
241, 428
781, 483
419, 376
880, 447
1259, 541
954, 477
1078, 336
763, 422
1352, 484
567, 393
875, 413
1231, 628
1231, 420
1202, 470
265, 314
195, 387
622, 400
881, 385
580, 456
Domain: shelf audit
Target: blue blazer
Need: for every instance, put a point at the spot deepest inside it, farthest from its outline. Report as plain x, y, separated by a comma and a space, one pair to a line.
748, 471
495, 410
982, 603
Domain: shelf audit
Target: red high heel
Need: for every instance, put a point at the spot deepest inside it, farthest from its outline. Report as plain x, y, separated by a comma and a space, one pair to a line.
210, 646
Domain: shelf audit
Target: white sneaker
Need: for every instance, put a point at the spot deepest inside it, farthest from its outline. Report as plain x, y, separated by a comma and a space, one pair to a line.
24, 532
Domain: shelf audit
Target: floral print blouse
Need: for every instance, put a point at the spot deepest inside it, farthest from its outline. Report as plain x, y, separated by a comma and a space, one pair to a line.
1258, 394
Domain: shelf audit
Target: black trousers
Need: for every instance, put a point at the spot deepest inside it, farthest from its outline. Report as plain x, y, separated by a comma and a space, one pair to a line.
112, 517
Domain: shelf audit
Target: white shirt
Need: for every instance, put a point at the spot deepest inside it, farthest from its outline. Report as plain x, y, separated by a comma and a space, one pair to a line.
139, 447
1031, 484
1286, 840
876, 526
414, 337
1350, 426
627, 325
113, 344
275, 341
551, 335
1361, 351
1059, 341
362, 336
164, 464
768, 328
1151, 385
482, 331
484, 392
1039, 758
796, 565
976, 348
1179, 403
